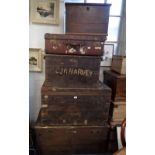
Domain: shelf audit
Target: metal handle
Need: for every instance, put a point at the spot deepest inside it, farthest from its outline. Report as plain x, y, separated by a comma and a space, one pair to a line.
75, 43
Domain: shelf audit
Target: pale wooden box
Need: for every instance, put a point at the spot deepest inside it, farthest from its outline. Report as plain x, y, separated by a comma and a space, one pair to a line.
119, 64
119, 111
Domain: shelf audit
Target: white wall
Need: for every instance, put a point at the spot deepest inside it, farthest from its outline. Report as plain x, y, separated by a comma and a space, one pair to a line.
36, 40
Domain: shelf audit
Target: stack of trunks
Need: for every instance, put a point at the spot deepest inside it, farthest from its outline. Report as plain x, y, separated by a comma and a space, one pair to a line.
116, 80
75, 105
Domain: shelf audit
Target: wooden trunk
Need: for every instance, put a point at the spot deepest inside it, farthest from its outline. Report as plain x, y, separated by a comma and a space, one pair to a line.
119, 64
87, 18
117, 83
71, 44
60, 140
79, 106
72, 71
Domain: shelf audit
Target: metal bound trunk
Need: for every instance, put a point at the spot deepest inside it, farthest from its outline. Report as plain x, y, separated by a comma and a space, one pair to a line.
60, 140
79, 106
72, 71
87, 18
117, 83
74, 44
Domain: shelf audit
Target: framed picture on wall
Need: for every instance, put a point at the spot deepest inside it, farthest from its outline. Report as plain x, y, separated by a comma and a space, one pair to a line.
44, 11
108, 54
35, 59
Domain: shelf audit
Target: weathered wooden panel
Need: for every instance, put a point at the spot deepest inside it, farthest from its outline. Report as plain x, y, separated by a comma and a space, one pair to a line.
74, 44
72, 71
117, 111
77, 117
119, 64
80, 106
117, 83
71, 139
87, 18
52, 140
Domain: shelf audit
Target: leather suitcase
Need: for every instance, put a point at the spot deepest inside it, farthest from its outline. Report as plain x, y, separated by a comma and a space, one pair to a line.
67, 140
117, 83
72, 71
71, 44
79, 106
87, 18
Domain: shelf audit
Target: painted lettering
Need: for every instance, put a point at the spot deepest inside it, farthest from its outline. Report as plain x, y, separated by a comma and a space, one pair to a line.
90, 73
75, 72
80, 72
60, 72
70, 71
65, 71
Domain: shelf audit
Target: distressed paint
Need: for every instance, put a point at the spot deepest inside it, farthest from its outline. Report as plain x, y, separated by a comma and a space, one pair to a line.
68, 71
74, 44
74, 72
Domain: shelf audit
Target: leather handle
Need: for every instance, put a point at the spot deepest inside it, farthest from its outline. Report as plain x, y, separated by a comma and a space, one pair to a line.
75, 43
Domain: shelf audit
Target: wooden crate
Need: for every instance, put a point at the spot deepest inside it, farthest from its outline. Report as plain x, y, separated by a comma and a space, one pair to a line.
119, 64
71, 44
87, 18
117, 82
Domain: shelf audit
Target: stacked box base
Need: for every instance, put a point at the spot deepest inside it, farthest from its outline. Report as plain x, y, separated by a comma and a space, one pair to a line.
60, 140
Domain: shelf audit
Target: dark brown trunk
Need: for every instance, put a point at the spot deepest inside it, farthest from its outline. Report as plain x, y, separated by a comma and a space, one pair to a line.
87, 18
80, 106
72, 71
